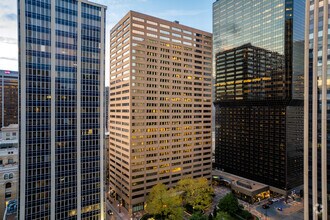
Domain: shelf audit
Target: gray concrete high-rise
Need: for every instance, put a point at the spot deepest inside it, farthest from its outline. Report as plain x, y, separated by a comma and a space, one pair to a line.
61, 133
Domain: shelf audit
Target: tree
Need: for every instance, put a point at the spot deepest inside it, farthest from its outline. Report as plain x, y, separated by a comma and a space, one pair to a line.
196, 192
223, 216
229, 204
164, 203
198, 216
245, 214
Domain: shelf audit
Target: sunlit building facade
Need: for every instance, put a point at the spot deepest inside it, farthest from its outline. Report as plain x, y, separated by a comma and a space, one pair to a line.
160, 106
317, 118
61, 63
258, 47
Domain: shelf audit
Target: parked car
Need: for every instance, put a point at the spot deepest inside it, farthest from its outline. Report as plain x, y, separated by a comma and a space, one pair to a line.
265, 206
270, 202
279, 209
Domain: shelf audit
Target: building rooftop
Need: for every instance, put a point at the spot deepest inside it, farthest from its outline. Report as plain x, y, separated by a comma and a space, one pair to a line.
241, 184
172, 23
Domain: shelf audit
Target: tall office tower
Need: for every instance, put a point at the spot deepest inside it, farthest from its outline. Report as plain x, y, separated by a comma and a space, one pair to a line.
61, 62
160, 106
8, 97
259, 90
317, 117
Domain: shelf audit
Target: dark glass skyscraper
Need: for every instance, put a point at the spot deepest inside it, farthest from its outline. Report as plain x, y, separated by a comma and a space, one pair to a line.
61, 62
259, 90
8, 97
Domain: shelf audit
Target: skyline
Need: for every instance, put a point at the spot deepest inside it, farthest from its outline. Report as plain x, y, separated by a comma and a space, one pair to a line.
123, 106
185, 11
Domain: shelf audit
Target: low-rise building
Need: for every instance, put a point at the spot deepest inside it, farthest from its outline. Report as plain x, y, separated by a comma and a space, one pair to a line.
8, 166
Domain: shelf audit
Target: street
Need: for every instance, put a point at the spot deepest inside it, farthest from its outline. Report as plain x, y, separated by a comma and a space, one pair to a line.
291, 210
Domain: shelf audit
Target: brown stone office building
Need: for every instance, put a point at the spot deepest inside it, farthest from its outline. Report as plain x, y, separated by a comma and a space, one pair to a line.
160, 106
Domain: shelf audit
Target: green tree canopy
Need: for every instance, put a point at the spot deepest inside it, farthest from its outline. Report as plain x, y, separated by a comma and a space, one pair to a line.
196, 192
164, 203
223, 216
229, 204
198, 216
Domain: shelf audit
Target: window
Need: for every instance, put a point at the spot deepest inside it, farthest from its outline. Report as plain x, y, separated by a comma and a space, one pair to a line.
137, 32
8, 185
187, 32
164, 32
138, 26
8, 195
152, 29
138, 19
152, 35
151, 22
164, 26
176, 29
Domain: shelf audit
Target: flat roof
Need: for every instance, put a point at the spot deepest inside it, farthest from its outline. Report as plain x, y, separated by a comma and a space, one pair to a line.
158, 19
94, 3
243, 185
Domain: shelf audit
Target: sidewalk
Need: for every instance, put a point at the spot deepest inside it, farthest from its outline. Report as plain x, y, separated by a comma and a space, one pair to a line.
122, 215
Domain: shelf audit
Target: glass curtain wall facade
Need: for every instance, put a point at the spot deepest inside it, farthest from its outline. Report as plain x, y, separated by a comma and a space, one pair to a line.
8, 97
317, 81
61, 80
259, 90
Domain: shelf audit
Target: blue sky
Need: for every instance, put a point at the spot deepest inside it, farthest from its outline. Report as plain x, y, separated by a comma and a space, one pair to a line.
194, 13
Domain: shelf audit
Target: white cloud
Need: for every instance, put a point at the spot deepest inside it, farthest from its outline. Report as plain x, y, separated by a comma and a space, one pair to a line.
8, 35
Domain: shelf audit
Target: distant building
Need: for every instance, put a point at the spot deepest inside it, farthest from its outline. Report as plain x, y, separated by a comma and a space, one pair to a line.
9, 174
61, 63
160, 106
259, 91
8, 97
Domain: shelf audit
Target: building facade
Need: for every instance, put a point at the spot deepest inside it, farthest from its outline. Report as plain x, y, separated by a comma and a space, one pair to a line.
61, 62
8, 167
259, 90
160, 106
106, 108
316, 118
8, 97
